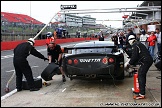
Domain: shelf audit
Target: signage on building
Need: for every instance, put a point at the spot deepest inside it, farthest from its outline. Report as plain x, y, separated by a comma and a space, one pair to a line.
68, 7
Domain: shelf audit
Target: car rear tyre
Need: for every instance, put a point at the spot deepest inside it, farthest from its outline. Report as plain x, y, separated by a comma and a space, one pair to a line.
51, 70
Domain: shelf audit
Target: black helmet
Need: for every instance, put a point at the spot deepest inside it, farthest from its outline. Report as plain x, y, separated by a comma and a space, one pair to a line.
143, 31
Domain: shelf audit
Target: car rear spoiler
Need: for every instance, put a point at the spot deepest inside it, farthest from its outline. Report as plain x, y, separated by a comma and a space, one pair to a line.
65, 49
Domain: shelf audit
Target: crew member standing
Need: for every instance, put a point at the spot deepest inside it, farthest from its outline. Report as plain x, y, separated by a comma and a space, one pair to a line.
21, 52
49, 38
140, 55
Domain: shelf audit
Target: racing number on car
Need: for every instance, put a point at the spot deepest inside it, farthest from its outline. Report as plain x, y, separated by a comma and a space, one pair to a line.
89, 60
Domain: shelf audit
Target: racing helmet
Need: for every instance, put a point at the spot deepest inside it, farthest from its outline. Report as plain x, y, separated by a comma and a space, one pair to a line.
49, 34
31, 41
131, 39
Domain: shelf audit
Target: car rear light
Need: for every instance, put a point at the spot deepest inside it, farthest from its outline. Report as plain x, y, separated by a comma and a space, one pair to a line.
111, 60
104, 60
70, 61
75, 61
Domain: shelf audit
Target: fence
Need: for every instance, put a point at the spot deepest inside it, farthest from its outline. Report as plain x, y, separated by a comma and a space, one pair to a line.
9, 35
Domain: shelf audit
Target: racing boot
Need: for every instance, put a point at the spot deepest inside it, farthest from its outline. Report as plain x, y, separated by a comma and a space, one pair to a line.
46, 84
139, 96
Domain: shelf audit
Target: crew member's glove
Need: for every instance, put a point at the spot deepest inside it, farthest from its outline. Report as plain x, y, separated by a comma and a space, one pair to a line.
58, 63
46, 59
127, 65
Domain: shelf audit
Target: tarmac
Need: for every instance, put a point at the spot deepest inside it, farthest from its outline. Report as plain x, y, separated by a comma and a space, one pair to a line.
59, 95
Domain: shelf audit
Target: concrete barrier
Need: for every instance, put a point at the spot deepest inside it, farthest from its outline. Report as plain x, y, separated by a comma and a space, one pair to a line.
8, 45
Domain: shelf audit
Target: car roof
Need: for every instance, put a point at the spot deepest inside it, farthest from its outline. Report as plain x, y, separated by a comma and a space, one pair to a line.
94, 43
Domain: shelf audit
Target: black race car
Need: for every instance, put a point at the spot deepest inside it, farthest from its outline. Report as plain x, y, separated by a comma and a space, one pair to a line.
94, 59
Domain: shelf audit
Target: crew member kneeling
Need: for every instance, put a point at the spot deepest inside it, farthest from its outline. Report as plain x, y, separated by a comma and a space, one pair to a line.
55, 55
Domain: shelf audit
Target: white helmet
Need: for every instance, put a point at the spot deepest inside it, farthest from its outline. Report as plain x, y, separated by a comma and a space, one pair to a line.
131, 39
31, 41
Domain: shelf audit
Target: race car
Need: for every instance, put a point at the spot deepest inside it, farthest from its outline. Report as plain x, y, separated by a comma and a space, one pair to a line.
94, 59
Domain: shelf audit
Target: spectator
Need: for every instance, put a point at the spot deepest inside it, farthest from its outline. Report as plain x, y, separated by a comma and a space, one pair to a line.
158, 36
64, 33
124, 42
115, 39
120, 40
143, 38
152, 39
67, 34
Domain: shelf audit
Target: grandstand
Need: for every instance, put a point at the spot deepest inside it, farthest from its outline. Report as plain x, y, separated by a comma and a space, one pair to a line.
18, 18
18, 26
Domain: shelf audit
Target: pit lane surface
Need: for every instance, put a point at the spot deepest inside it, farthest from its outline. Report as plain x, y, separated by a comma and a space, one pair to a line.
88, 93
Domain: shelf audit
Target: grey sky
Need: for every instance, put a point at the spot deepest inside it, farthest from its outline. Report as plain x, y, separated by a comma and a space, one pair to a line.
45, 10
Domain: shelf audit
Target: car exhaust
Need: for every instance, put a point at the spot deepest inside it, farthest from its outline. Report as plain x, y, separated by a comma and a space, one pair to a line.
93, 75
87, 76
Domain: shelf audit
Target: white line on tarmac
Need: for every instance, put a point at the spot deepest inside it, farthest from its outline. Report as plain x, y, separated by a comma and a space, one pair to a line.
14, 69
7, 56
11, 93
8, 94
63, 90
34, 66
10, 70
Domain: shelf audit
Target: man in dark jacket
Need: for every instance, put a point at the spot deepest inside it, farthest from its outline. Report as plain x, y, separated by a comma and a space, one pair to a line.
128, 46
140, 55
115, 39
21, 52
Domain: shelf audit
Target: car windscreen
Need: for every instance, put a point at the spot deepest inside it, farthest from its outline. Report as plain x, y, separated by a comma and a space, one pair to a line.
94, 50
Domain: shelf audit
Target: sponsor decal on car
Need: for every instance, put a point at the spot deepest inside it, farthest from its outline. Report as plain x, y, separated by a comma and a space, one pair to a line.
89, 60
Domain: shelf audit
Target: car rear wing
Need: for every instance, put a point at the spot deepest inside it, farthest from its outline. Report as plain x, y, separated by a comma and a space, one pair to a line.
65, 49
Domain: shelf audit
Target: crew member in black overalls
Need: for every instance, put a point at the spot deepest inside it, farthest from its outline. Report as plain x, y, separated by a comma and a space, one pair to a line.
140, 55
21, 65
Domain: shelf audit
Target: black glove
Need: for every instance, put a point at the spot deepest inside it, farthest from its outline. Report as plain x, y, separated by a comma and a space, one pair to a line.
46, 59
57, 62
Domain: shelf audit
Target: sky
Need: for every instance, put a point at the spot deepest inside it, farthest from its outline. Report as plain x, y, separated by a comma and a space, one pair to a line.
45, 10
